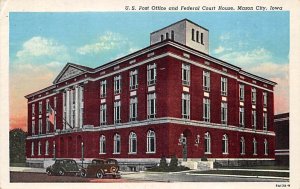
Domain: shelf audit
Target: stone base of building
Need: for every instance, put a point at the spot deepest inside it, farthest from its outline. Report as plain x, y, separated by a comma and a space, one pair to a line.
219, 163
142, 164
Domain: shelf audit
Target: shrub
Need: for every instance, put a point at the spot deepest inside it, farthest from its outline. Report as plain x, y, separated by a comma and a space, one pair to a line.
163, 162
174, 162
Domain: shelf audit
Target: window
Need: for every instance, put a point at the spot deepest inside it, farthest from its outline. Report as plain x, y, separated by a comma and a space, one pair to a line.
32, 148
242, 92
151, 104
206, 110
242, 117
242, 146
117, 112
117, 144
253, 95
47, 148
40, 126
254, 147
224, 113
151, 74
225, 144
47, 125
167, 35
33, 127
133, 109
117, 84
161, 37
39, 148
206, 80
103, 114
193, 34
40, 107
202, 41
185, 106
197, 36
265, 98
265, 121
185, 74
253, 119
207, 143
102, 145
103, 86
132, 143
266, 149
33, 110
224, 86
172, 35
151, 142
133, 79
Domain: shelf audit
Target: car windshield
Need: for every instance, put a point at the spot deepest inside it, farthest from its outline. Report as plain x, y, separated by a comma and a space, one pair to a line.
97, 162
111, 161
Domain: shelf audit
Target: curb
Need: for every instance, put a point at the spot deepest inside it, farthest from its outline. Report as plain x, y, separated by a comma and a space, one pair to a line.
241, 176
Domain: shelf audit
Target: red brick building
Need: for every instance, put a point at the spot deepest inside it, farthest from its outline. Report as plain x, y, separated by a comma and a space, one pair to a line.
171, 98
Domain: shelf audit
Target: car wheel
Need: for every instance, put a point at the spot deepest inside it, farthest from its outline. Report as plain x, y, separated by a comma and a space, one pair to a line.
99, 174
61, 172
83, 173
49, 172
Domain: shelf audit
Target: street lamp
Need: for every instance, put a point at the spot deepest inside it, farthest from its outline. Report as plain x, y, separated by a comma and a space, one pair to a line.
182, 142
54, 151
82, 153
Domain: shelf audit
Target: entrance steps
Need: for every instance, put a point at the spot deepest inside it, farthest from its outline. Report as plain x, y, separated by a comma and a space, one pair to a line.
198, 165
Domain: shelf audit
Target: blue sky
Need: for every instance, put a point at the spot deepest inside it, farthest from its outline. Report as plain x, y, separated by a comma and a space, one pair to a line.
42, 43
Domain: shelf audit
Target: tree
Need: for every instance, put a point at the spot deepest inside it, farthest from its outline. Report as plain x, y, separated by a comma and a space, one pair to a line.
17, 146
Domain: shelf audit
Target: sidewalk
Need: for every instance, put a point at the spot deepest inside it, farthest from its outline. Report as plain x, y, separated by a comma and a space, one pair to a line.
27, 169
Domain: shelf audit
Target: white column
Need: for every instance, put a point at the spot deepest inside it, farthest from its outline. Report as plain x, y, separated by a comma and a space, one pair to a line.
76, 106
68, 109
81, 106
64, 109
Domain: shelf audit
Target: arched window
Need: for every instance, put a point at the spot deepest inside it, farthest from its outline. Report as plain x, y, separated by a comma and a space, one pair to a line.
117, 144
47, 148
132, 143
207, 143
39, 148
102, 145
32, 148
266, 147
254, 146
225, 144
151, 142
242, 146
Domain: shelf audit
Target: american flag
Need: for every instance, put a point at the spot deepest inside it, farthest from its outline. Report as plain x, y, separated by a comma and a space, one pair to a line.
51, 115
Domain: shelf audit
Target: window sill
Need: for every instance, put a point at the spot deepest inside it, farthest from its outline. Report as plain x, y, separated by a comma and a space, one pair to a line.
207, 153
150, 152
242, 154
255, 154
132, 153
116, 153
225, 153
102, 153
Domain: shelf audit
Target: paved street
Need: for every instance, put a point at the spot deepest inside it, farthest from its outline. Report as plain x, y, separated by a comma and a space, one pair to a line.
137, 177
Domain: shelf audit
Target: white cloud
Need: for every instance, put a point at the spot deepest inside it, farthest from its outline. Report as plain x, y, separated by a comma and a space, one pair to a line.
219, 50
224, 36
108, 41
40, 46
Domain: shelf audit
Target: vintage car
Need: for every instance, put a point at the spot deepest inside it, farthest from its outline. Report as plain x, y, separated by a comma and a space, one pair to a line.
62, 167
100, 168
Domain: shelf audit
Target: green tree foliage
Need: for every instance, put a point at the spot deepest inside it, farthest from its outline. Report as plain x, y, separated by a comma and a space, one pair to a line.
17, 146
163, 162
174, 162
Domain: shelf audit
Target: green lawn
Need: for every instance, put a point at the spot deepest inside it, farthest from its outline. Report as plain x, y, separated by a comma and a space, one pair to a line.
246, 173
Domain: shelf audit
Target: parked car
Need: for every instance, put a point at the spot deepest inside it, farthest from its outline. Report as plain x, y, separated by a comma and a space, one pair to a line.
62, 167
100, 168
